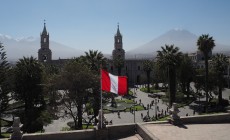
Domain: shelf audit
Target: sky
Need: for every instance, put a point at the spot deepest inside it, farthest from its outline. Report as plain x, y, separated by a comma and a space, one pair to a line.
92, 24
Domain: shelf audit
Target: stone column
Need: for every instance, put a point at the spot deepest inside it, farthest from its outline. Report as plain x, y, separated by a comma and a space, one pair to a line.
101, 131
16, 135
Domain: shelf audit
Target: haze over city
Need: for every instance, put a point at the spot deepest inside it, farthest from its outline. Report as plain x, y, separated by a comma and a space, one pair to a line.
85, 24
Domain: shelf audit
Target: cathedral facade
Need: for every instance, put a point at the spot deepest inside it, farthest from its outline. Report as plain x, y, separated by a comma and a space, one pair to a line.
132, 68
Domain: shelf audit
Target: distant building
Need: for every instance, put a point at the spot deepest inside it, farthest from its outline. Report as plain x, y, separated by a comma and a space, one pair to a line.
198, 59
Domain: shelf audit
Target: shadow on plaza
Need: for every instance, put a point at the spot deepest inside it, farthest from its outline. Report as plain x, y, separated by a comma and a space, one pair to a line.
182, 126
200, 107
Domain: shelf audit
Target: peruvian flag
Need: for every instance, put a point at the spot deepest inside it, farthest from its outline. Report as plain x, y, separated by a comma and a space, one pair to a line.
112, 83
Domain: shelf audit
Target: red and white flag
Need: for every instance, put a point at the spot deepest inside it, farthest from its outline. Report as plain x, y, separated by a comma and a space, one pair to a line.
112, 83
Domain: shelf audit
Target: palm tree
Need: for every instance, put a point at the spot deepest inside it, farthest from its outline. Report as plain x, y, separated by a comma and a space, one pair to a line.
28, 89
148, 67
94, 59
169, 58
219, 65
205, 45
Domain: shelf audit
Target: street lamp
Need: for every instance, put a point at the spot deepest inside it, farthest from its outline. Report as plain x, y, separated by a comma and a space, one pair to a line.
156, 108
134, 103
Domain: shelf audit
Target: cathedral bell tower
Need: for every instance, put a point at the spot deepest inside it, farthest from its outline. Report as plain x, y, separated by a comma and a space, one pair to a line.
44, 53
118, 52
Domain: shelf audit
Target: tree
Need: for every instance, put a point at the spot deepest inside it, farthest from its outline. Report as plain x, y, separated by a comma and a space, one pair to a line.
148, 67
95, 60
4, 84
76, 81
159, 76
28, 89
51, 71
186, 73
169, 58
205, 45
219, 65
119, 64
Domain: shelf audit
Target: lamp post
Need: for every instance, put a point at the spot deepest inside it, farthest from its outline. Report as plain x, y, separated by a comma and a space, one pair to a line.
134, 104
156, 108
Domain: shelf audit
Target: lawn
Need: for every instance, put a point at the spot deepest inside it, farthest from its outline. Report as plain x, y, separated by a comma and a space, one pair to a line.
4, 123
151, 90
5, 135
125, 100
136, 108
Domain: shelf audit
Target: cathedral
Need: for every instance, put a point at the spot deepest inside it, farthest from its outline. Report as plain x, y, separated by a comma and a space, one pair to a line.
132, 68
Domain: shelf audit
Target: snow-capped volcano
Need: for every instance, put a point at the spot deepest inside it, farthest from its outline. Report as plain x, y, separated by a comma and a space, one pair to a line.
183, 39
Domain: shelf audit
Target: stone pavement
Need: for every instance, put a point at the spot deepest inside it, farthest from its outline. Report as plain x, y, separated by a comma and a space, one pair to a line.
127, 117
134, 137
190, 132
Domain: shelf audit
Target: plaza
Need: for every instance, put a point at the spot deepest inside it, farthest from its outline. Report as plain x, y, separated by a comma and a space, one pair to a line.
128, 117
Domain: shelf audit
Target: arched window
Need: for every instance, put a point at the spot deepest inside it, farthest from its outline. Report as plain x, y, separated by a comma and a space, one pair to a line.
138, 68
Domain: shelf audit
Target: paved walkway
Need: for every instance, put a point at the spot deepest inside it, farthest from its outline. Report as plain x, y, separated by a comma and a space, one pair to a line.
190, 132
134, 137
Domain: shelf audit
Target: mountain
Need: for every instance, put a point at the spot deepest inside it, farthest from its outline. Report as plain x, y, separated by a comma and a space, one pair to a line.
183, 39
17, 48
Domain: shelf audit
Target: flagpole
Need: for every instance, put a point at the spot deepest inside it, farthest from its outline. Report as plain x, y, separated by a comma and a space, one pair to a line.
101, 96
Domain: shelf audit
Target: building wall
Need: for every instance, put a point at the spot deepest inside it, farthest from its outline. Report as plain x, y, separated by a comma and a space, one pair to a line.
133, 69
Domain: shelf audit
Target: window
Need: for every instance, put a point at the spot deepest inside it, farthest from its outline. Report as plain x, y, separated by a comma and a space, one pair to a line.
44, 39
139, 68
126, 68
138, 79
44, 57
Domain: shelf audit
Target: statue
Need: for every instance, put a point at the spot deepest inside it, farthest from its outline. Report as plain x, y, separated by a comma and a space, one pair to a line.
16, 135
174, 118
